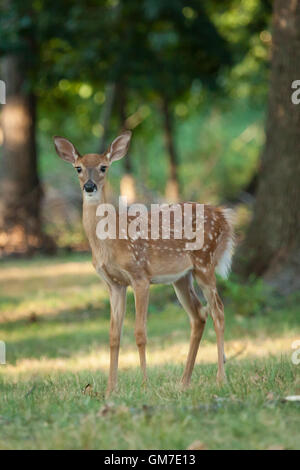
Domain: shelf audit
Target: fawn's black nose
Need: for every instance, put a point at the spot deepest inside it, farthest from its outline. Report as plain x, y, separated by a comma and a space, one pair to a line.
90, 186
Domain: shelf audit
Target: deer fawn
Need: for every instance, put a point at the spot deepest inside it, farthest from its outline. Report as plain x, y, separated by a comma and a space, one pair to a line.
138, 262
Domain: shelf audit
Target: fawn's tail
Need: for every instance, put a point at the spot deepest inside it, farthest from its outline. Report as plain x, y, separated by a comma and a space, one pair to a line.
224, 263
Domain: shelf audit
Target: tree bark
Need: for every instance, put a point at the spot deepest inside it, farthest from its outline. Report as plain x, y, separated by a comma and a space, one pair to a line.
172, 188
20, 189
272, 245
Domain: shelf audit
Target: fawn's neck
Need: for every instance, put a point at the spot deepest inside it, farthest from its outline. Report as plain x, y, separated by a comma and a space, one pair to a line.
90, 221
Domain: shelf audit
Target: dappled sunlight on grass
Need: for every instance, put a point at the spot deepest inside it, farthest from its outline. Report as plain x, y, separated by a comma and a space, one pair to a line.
50, 301
39, 289
13, 273
175, 354
55, 315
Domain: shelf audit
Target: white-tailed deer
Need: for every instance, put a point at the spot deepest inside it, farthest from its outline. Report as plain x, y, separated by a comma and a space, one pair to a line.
139, 262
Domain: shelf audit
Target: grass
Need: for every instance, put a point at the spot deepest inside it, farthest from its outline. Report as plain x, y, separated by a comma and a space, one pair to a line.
54, 318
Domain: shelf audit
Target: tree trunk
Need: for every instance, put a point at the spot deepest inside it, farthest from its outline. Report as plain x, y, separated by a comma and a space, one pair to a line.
127, 183
272, 245
20, 190
172, 188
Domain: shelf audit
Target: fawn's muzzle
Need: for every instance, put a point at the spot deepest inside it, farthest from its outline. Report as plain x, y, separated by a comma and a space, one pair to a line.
90, 186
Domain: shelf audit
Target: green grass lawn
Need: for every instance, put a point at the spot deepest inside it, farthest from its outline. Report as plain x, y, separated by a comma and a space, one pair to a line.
54, 318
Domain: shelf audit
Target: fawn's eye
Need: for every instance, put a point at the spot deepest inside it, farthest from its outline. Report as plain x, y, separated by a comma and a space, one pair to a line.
103, 168
79, 169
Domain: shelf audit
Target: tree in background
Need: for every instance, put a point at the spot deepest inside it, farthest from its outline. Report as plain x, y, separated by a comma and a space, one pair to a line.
26, 28
272, 245
20, 218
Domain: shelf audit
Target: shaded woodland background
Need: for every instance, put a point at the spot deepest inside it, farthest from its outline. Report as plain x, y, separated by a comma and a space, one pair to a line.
206, 89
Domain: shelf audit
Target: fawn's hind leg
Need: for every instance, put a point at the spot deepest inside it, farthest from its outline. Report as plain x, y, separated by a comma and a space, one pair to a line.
188, 298
216, 310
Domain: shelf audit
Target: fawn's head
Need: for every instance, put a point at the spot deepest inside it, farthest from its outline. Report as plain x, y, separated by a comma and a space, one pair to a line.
92, 168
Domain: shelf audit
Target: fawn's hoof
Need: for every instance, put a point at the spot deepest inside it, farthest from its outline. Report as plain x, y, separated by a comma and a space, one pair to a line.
145, 382
221, 379
184, 384
109, 391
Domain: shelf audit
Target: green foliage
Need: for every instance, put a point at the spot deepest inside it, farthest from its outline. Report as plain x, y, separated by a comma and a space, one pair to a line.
219, 148
248, 299
246, 26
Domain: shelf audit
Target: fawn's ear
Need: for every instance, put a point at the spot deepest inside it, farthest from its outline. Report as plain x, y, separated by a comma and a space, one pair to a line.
119, 147
65, 149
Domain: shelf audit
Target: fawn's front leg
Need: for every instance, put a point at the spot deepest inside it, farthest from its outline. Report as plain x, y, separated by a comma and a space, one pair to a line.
141, 296
117, 307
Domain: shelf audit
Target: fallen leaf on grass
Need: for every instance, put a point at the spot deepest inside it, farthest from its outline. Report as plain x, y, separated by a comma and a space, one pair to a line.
275, 447
197, 445
88, 389
270, 396
106, 409
148, 410
33, 318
